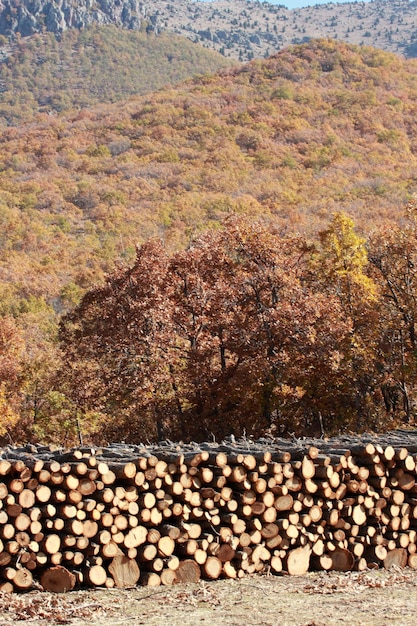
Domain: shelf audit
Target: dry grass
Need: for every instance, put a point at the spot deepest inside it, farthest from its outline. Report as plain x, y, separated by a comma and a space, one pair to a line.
373, 598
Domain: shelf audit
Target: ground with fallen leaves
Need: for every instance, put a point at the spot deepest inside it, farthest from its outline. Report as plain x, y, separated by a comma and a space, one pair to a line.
372, 598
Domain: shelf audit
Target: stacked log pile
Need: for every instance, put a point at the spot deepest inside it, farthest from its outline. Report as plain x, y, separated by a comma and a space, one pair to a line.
127, 515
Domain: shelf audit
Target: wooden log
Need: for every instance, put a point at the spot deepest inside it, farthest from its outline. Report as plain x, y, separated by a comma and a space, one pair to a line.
298, 561
111, 549
229, 570
135, 537
168, 577
58, 579
96, 575
51, 544
172, 562
166, 546
23, 579
284, 503
276, 564
212, 568
412, 560
359, 515
396, 558
269, 531
124, 571
5, 559
342, 560
26, 498
188, 571
43, 494
147, 552
150, 579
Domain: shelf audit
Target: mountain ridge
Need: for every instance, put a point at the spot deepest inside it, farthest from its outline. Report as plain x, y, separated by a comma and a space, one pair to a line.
242, 29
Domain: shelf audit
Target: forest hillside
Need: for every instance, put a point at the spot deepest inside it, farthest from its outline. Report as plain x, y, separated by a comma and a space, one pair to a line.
81, 68
318, 129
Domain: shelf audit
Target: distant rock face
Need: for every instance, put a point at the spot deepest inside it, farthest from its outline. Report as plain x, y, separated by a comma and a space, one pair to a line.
32, 16
243, 29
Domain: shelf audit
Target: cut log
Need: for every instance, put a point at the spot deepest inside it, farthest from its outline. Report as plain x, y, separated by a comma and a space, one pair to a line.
412, 560
396, 558
298, 561
51, 544
276, 564
96, 575
342, 560
284, 502
150, 579
212, 568
166, 546
171, 531
110, 550
135, 537
229, 570
308, 469
189, 572
147, 552
58, 579
23, 579
124, 571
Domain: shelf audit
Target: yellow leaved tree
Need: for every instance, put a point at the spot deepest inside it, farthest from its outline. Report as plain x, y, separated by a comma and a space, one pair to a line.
341, 268
11, 352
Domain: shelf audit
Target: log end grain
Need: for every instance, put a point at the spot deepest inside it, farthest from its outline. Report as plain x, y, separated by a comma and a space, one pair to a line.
58, 579
188, 572
124, 571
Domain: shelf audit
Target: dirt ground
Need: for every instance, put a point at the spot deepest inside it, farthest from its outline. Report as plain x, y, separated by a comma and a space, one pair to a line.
372, 598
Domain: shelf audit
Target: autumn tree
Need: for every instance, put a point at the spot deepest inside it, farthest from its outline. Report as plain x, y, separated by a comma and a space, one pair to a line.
393, 254
341, 269
11, 373
267, 330
115, 347
217, 338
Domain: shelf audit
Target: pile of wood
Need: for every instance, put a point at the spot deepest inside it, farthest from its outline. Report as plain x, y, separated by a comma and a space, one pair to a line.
128, 515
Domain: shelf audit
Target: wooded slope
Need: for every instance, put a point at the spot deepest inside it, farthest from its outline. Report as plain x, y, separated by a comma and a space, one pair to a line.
317, 128
287, 141
78, 69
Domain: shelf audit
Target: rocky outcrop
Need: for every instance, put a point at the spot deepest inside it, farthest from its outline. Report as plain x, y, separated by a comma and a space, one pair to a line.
242, 29
32, 16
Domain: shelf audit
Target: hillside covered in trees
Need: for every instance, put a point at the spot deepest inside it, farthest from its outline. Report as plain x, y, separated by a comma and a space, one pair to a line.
99, 64
287, 142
